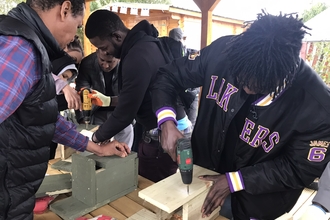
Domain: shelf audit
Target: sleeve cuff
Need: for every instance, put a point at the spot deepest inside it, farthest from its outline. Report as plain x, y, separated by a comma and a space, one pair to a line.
235, 181
165, 114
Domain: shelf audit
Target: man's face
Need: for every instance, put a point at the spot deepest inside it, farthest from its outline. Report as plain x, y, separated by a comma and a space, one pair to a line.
67, 24
106, 62
107, 46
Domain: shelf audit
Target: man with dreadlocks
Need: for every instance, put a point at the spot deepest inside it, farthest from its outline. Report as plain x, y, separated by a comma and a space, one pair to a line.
263, 121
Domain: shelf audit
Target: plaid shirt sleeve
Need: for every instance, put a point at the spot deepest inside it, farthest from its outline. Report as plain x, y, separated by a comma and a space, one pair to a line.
67, 135
18, 73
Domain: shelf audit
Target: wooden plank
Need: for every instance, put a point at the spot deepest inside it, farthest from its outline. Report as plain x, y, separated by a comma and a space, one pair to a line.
66, 152
192, 209
54, 184
303, 206
143, 214
88, 216
286, 216
173, 193
51, 171
126, 206
108, 211
143, 182
52, 161
47, 215
305, 195
135, 197
62, 165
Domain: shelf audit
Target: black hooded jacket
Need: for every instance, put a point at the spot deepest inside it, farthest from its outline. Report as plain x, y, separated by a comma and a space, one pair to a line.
139, 61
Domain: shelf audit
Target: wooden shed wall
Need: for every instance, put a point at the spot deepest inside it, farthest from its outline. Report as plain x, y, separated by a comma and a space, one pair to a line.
164, 21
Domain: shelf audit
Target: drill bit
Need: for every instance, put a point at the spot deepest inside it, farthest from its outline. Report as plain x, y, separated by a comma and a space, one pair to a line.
188, 189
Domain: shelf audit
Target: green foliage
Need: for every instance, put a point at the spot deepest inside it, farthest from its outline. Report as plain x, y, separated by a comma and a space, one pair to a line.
319, 58
7, 5
313, 11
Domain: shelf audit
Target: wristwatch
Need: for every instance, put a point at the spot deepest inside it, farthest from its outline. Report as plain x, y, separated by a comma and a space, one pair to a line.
94, 139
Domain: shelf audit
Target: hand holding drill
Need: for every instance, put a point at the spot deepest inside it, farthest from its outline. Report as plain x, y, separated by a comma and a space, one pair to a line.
99, 99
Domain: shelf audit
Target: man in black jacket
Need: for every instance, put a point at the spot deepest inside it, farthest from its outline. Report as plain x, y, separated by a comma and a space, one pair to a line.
140, 57
263, 121
99, 72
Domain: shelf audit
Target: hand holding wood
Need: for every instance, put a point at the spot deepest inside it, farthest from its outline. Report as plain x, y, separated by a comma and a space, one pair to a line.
217, 194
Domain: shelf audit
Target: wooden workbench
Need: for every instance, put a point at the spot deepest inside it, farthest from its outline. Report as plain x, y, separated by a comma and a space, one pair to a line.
121, 209
128, 205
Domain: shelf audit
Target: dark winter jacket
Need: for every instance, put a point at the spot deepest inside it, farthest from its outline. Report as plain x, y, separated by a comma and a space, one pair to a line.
91, 76
280, 148
139, 61
26, 134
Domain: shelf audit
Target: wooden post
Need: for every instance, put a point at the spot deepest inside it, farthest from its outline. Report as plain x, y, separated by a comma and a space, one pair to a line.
87, 45
206, 7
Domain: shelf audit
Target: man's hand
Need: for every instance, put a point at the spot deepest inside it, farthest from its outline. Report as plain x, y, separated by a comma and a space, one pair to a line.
109, 149
99, 99
217, 194
170, 134
72, 98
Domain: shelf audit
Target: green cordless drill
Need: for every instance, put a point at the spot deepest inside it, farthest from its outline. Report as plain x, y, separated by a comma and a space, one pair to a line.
185, 160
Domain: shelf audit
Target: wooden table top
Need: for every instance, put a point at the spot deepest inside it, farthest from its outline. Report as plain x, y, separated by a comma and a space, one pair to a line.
121, 208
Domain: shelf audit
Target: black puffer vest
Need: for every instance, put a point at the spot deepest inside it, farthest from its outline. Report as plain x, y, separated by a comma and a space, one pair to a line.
26, 134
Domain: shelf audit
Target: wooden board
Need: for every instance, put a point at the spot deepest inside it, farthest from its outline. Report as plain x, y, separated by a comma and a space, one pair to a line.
305, 195
143, 214
108, 211
192, 209
126, 206
170, 193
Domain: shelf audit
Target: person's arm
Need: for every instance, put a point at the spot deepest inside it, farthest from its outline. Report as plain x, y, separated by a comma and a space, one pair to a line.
297, 166
137, 72
183, 73
66, 134
18, 73
59, 84
71, 96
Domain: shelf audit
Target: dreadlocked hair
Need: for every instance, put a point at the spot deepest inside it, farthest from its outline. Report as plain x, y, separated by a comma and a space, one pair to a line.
265, 57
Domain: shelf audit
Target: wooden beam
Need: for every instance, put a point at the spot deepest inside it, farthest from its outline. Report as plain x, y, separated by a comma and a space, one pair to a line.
87, 44
178, 12
206, 7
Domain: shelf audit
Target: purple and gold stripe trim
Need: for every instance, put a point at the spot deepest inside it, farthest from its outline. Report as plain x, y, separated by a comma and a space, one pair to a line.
165, 114
235, 181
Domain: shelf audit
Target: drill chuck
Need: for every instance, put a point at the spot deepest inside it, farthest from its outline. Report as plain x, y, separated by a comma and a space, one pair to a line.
185, 160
